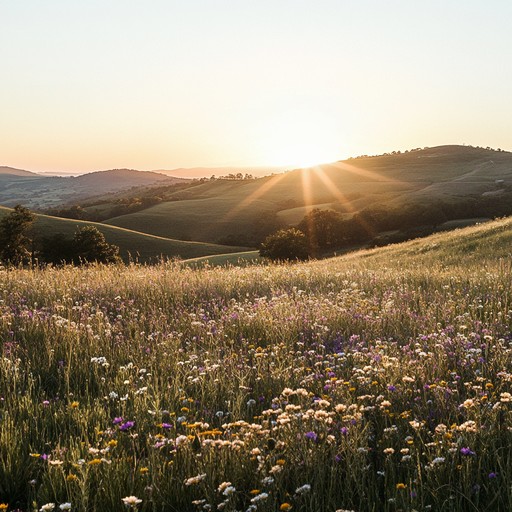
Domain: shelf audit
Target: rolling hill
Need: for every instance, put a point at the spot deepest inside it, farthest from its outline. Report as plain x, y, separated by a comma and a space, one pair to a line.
132, 245
453, 175
11, 171
41, 192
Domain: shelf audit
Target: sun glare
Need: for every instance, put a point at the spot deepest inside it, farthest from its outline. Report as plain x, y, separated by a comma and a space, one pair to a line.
301, 139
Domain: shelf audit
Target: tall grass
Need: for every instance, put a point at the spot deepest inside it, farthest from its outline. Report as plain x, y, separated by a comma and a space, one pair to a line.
368, 383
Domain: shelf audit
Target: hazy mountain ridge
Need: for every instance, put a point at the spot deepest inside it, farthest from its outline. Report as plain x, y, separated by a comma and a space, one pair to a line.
5, 170
41, 192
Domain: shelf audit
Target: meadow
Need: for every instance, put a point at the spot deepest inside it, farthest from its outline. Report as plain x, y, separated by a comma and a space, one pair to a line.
376, 381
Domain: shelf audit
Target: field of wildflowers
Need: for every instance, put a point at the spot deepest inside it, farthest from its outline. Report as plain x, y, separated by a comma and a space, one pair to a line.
376, 382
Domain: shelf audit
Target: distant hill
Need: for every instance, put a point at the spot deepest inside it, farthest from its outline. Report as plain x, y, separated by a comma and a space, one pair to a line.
132, 244
457, 176
16, 172
42, 192
110, 179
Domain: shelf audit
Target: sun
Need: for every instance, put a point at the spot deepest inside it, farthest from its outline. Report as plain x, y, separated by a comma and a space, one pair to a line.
301, 139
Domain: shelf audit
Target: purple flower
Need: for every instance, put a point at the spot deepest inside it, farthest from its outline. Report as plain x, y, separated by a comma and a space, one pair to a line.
126, 426
313, 436
344, 431
166, 425
467, 451
117, 420
391, 388
492, 475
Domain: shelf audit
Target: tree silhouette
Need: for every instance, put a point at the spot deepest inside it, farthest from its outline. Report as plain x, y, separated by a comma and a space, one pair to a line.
91, 246
285, 245
14, 243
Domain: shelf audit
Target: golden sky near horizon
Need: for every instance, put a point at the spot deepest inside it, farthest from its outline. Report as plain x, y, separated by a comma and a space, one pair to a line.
165, 84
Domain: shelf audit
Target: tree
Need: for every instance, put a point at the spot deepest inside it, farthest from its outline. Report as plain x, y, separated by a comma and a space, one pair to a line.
322, 229
14, 243
91, 246
285, 245
56, 249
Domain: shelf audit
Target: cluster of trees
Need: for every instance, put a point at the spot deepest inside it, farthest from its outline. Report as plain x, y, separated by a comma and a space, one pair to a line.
233, 177
19, 248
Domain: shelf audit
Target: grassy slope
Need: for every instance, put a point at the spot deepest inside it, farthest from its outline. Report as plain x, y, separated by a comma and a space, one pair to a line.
487, 241
216, 209
140, 246
483, 243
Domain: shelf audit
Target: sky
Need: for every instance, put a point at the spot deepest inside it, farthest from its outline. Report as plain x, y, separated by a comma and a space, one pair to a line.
160, 84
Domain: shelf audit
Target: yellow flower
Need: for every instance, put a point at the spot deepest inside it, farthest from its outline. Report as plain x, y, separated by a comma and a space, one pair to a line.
74, 405
71, 477
112, 443
144, 470
280, 462
94, 462
255, 491
401, 486
285, 506
35, 455
3, 506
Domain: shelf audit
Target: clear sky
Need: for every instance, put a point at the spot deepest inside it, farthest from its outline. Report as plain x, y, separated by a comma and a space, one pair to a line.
160, 84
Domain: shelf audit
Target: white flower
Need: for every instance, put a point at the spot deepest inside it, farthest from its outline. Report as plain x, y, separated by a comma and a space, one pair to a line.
47, 507
131, 501
65, 506
303, 489
228, 491
260, 497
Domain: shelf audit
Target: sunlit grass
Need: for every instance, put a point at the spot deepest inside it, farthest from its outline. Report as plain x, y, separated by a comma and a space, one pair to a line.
377, 381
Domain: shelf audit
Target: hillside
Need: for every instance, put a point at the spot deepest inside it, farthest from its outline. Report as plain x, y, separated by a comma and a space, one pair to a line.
42, 192
132, 245
16, 172
460, 177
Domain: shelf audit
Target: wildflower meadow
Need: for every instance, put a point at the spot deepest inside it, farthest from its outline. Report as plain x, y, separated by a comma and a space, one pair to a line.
375, 382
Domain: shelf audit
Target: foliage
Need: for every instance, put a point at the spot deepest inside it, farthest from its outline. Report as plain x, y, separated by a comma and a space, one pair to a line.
285, 244
14, 243
91, 246
323, 230
88, 245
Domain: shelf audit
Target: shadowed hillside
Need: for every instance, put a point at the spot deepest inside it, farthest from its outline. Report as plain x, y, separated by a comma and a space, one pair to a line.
132, 245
